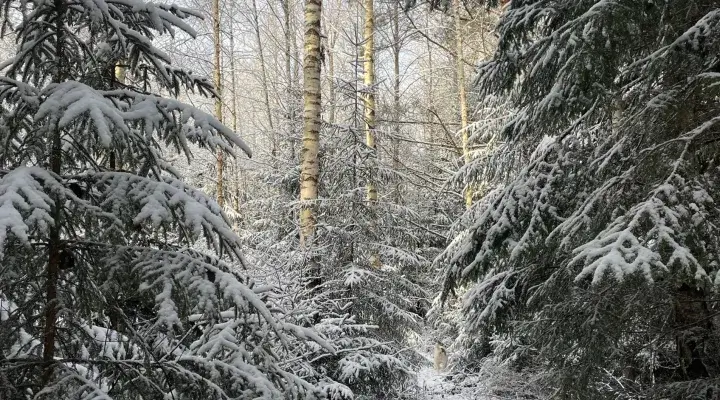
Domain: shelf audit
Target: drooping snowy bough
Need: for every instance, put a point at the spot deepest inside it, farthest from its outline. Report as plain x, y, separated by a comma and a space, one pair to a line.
101, 293
598, 256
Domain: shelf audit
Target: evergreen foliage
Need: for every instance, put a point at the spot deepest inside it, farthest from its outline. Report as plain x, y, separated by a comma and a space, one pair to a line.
597, 258
102, 294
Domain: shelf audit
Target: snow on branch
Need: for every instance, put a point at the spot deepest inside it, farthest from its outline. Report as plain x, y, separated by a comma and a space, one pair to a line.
142, 200
647, 237
196, 125
113, 112
67, 101
514, 220
26, 204
25, 207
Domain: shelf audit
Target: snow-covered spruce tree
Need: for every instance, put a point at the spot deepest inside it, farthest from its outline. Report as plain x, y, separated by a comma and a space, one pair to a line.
360, 310
493, 161
101, 294
599, 255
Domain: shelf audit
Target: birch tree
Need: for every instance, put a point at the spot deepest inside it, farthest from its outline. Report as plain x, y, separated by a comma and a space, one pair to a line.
217, 76
462, 94
311, 121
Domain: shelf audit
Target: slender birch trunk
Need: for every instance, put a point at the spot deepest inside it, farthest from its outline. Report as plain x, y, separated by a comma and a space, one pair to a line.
369, 94
430, 133
397, 45
462, 94
264, 79
233, 94
288, 72
217, 77
369, 109
332, 38
310, 167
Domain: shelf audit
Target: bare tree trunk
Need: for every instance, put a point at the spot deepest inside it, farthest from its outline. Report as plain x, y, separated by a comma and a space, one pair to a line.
263, 71
233, 84
462, 94
54, 244
218, 101
53, 271
430, 134
369, 90
310, 167
296, 56
369, 110
120, 74
288, 72
397, 45
332, 38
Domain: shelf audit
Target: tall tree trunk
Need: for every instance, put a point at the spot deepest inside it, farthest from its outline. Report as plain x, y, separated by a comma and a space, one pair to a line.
357, 100
397, 46
288, 72
218, 101
430, 132
462, 94
332, 38
310, 167
233, 84
120, 74
369, 111
296, 56
263, 72
369, 90
54, 243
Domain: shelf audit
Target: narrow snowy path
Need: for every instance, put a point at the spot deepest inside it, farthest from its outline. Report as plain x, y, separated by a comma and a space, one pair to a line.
442, 385
437, 385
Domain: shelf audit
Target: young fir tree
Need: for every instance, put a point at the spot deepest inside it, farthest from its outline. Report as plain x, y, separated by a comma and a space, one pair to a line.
101, 292
598, 257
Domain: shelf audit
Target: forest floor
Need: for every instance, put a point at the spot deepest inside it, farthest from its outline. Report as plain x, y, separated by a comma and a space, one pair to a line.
436, 385
494, 381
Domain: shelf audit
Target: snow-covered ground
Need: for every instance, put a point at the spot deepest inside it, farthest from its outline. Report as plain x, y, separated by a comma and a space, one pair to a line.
493, 381
436, 385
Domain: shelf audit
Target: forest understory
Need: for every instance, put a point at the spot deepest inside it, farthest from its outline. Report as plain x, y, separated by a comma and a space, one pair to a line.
360, 199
